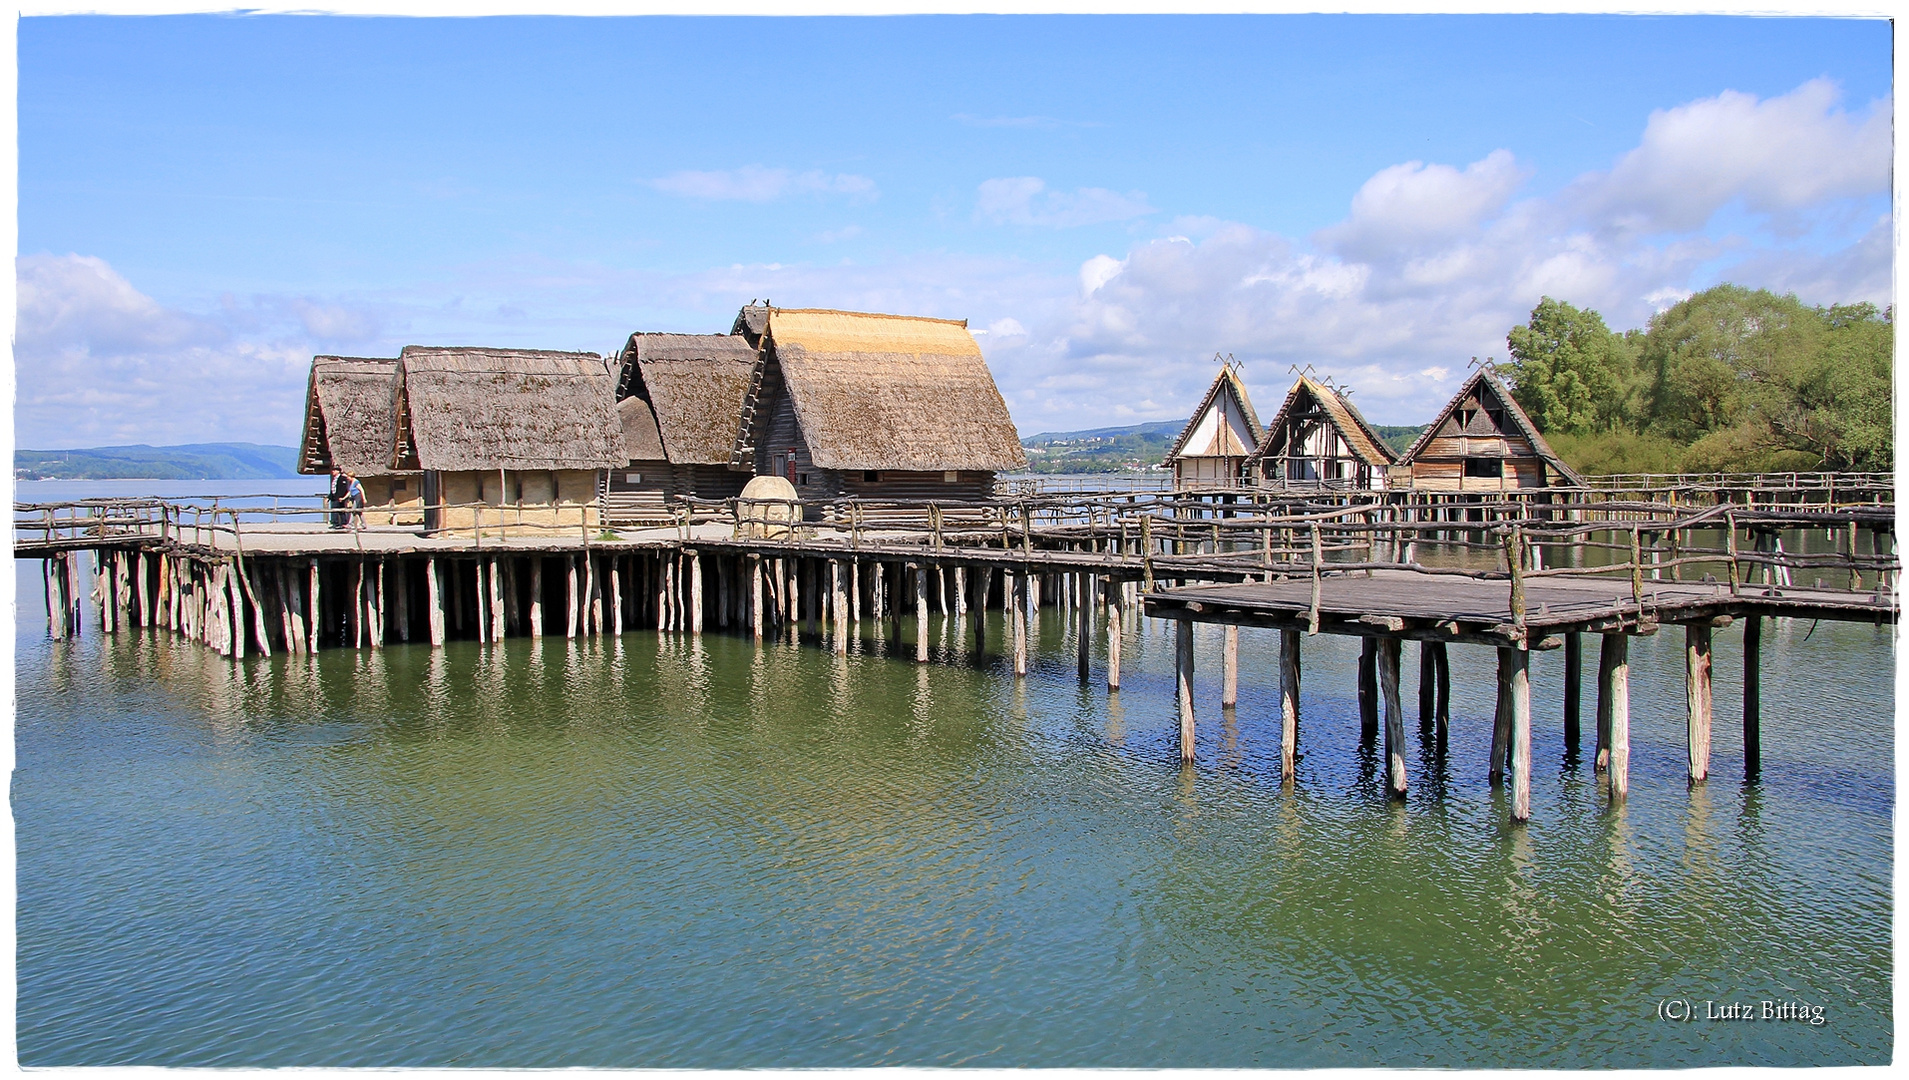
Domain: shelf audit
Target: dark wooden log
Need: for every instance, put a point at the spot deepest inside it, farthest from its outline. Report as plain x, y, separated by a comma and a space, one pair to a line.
1388, 665
1573, 686
1752, 696
1368, 688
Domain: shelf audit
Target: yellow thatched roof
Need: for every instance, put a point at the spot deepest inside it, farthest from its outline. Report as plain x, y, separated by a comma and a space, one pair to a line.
890, 392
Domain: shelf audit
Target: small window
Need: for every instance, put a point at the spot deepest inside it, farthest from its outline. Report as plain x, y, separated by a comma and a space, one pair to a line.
632, 477
803, 479
950, 477
870, 476
1493, 468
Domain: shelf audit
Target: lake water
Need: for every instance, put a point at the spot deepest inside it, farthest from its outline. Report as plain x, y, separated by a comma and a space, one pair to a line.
657, 851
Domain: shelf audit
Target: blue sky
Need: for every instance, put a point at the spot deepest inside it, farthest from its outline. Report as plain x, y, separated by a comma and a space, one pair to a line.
204, 202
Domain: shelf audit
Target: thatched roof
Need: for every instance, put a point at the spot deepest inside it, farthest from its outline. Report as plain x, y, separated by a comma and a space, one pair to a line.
695, 385
641, 439
1226, 382
465, 409
885, 392
750, 323
1365, 443
348, 415
1487, 387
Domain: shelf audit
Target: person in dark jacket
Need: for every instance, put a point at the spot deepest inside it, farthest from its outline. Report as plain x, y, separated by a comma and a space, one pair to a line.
340, 489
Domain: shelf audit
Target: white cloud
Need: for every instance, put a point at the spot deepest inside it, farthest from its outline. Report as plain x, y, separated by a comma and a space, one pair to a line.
1777, 155
1026, 200
1404, 207
79, 301
754, 183
1098, 271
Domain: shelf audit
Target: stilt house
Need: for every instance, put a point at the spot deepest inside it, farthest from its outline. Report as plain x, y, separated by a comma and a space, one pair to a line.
877, 406
1482, 441
679, 400
1319, 439
1213, 448
348, 423
507, 437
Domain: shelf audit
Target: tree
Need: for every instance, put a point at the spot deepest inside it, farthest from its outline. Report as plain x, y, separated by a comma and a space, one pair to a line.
1568, 371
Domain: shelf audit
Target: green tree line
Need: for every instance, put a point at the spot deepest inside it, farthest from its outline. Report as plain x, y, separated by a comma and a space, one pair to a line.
1729, 380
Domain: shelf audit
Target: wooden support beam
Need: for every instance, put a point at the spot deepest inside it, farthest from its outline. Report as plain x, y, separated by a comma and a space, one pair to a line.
1500, 724
1183, 684
1368, 689
536, 596
1614, 712
1019, 603
755, 597
1515, 674
572, 609
1115, 595
1573, 686
921, 612
1288, 703
1427, 685
983, 583
1752, 696
696, 593
1230, 667
314, 609
1443, 707
838, 604
1083, 623
1697, 697
1388, 663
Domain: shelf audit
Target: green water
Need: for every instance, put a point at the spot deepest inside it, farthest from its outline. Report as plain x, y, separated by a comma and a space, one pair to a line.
664, 852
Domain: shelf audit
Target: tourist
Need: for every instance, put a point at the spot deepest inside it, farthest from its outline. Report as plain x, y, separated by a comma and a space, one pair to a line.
340, 488
355, 502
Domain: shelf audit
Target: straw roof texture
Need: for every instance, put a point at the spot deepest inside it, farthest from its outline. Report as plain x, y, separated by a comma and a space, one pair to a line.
1227, 381
891, 392
641, 439
1485, 383
1365, 443
695, 385
348, 419
465, 409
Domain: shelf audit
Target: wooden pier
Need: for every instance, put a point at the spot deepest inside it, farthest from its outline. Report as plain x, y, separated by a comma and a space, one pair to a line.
1515, 575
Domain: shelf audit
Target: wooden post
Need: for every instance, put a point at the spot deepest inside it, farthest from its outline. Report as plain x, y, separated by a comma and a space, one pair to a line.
1368, 688
1501, 722
921, 614
496, 599
401, 595
1752, 696
536, 596
696, 593
1443, 706
1288, 703
1614, 712
1019, 603
1697, 696
1183, 683
1388, 665
1230, 668
983, 583
593, 590
838, 606
1083, 624
810, 591
1116, 592
755, 596
314, 610
1573, 678
570, 595
616, 595
1514, 666
1427, 684
960, 591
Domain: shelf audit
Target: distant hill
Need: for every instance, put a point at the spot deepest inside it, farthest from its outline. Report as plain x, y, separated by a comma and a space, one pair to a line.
1113, 449
195, 461
1098, 450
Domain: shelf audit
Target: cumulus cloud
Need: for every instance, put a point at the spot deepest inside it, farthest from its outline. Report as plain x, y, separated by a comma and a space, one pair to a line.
97, 361
1405, 207
1778, 155
1026, 200
754, 183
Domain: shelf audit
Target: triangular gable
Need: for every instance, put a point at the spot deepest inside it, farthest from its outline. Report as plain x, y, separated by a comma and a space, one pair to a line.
1227, 382
1344, 417
1489, 389
314, 453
